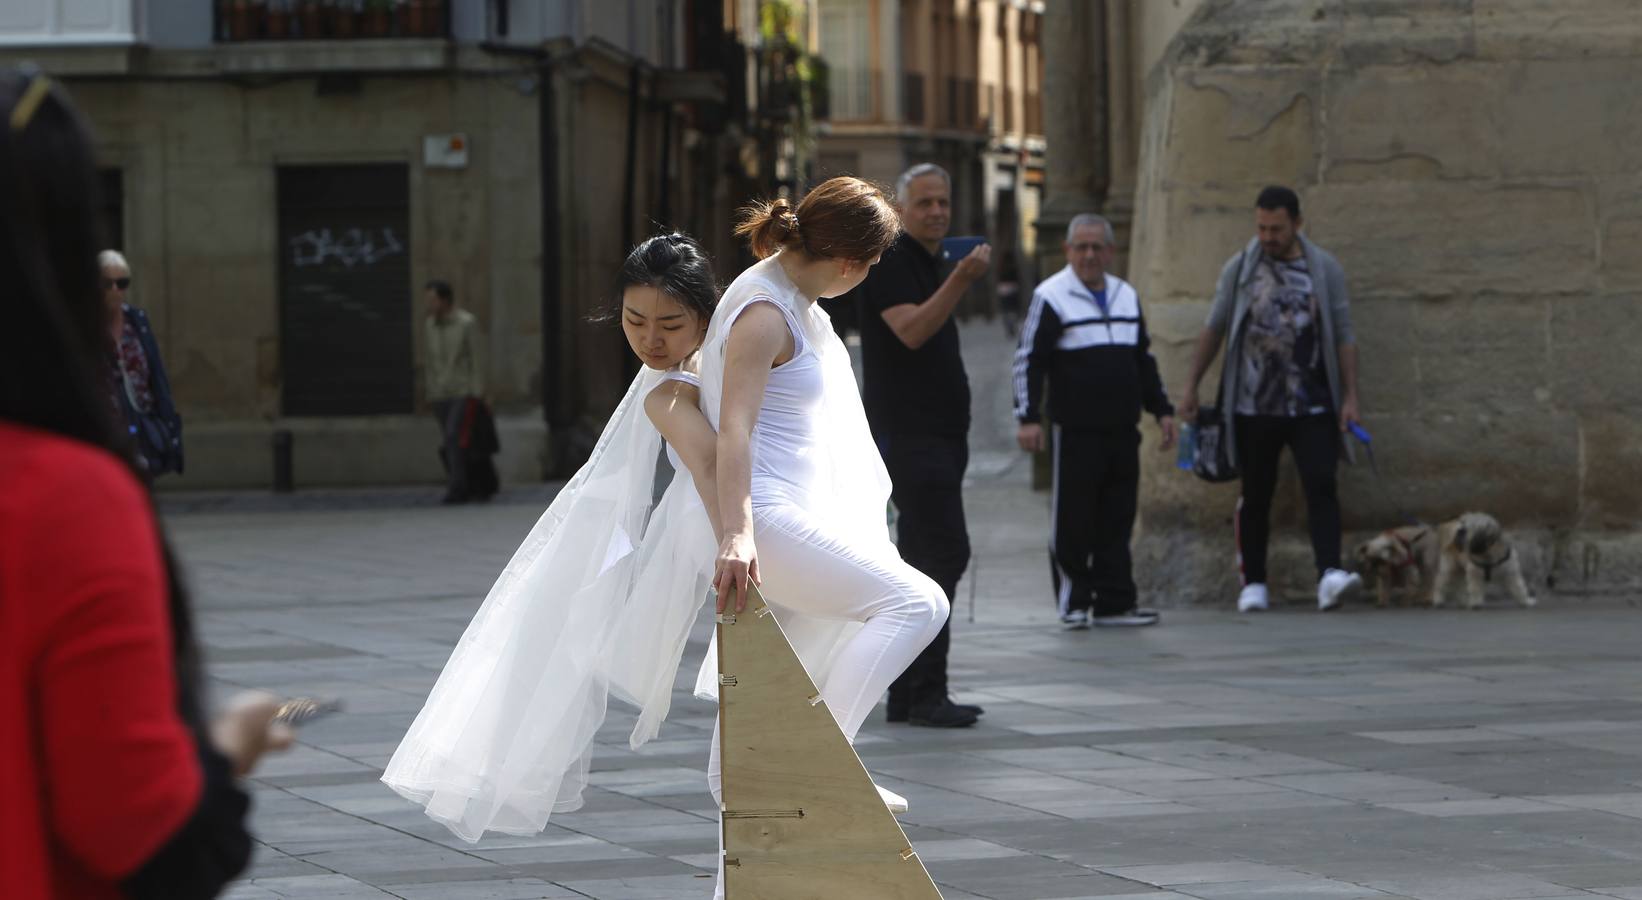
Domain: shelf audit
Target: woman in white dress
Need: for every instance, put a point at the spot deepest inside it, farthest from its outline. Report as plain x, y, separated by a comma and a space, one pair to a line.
587, 607
801, 489
600, 597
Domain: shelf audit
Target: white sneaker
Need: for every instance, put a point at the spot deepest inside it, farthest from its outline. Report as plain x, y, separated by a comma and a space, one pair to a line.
897, 804
1253, 598
1334, 584
1076, 620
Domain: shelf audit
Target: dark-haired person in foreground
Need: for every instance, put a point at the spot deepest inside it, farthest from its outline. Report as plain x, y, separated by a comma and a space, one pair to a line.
455, 367
1290, 380
115, 785
503, 741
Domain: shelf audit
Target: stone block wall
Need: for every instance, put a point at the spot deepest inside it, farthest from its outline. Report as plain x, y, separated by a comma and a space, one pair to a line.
1474, 166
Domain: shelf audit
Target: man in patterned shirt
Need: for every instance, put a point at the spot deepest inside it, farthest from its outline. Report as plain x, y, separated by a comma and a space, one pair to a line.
1289, 380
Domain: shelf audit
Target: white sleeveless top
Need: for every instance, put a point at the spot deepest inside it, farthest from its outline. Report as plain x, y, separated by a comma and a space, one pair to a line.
786, 438
811, 444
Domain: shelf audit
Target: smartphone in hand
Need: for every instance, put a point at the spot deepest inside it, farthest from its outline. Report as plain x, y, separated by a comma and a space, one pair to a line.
301, 710
956, 248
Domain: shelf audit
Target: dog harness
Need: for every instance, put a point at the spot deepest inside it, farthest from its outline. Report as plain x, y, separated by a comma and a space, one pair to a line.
1409, 544
1488, 566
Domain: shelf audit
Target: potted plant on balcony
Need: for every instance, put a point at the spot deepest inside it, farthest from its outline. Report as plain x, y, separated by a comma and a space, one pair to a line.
344, 18
423, 18
278, 19
310, 18
244, 18
378, 18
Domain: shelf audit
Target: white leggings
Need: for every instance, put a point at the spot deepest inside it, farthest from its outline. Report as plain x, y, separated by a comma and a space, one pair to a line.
810, 569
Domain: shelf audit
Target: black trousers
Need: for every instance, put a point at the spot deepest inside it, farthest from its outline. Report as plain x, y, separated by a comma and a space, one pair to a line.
928, 476
448, 413
1314, 442
1096, 492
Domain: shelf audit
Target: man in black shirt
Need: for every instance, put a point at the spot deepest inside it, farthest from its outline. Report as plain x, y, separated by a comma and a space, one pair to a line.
1085, 337
917, 401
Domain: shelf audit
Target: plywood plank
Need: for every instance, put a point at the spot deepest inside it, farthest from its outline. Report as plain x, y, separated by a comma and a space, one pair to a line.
802, 819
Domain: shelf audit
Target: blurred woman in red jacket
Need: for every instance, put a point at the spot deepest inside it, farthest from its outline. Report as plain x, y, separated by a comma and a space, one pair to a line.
113, 783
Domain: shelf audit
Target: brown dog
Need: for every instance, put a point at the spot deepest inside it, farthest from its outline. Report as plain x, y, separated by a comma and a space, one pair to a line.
1400, 558
1476, 544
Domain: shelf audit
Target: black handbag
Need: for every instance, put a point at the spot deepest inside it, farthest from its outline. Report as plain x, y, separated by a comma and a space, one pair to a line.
1212, 456
1212, 460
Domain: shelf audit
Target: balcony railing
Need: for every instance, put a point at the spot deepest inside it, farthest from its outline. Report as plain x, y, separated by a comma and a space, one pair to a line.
854, 95
308, 20
912, 98
959, 105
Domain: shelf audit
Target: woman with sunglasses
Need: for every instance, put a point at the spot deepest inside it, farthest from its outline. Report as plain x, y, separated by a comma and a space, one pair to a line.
141, 389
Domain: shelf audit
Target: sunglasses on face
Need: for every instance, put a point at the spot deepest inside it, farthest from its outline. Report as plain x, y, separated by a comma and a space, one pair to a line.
121, 283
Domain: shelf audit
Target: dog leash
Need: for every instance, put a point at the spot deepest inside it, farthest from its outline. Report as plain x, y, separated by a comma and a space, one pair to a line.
1367, 440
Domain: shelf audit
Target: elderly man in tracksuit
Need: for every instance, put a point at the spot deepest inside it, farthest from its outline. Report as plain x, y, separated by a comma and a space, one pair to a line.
1085, 336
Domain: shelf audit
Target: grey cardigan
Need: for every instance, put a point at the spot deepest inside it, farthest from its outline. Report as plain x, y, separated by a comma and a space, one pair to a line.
1232, 299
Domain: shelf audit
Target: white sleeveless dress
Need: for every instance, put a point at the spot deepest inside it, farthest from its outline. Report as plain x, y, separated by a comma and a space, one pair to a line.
857, 614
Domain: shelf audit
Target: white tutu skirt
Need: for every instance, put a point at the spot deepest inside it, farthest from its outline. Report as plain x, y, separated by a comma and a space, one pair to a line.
505, 739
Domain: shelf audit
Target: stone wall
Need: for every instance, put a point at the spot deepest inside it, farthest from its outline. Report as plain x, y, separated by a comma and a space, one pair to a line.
1474, 166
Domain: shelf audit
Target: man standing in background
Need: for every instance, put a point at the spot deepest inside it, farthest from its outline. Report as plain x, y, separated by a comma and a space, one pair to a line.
455, 372
1085, 337
1289, 380
916, 395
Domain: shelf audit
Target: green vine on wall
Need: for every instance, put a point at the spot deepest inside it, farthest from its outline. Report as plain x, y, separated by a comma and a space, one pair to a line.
798, 78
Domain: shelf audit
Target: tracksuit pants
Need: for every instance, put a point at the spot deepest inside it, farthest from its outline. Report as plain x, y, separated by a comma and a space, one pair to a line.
1096, 493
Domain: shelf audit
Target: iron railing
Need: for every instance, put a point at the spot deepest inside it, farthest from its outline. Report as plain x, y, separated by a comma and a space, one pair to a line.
309, 20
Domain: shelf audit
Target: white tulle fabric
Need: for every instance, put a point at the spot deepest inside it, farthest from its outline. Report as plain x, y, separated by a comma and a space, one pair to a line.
599, 599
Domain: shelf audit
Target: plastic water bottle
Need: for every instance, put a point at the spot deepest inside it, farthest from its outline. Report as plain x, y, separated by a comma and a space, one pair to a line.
1188, 447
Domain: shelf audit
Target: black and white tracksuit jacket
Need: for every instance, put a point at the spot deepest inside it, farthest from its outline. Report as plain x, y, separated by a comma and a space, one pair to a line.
1098, 363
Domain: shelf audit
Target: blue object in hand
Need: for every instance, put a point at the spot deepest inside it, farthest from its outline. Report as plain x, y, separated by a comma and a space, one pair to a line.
1188, 448
956, 248
1359, 432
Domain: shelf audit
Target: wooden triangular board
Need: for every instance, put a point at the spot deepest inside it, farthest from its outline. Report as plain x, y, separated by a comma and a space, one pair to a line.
802, 818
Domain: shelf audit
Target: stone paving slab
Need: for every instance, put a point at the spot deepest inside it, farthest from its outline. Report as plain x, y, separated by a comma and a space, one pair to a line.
1402, 753
1437, 755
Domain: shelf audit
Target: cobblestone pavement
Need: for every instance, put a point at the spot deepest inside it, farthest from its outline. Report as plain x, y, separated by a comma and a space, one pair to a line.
1367, 753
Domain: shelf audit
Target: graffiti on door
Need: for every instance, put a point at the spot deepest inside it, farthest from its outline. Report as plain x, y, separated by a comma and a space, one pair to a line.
350, 247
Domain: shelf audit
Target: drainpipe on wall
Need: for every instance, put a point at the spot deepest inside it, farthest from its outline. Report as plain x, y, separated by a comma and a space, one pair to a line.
630, 171
556, 410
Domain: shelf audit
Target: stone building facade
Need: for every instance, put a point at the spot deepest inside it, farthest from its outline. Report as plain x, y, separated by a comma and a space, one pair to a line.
954, 82
1474, 167
284, 187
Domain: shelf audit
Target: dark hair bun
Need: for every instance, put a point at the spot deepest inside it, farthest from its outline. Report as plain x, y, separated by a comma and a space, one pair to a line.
675, 265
